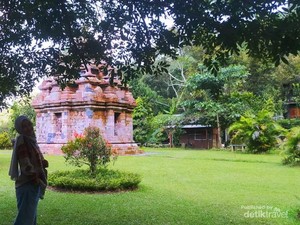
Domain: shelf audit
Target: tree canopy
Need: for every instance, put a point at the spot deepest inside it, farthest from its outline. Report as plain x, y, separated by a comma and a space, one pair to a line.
130, 34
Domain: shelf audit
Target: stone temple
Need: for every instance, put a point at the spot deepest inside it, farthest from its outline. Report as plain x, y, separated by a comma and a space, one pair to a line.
90, 101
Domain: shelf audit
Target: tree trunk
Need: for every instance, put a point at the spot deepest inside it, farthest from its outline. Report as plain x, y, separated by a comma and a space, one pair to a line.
93, 168
219, 142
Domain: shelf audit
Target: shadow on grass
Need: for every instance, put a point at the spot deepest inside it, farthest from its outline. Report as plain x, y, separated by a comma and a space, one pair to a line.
240, 160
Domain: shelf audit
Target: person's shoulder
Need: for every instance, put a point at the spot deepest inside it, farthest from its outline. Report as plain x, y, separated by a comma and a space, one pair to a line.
20, 143
19, 140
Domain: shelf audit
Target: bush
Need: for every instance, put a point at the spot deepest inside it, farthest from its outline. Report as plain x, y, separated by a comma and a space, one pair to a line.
89, 149
105, 180
292, 148
289, 123
5, 141
259, 132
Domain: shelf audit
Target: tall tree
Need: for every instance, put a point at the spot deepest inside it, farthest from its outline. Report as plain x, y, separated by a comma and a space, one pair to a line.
217, 100
171, 84
142, 115
131, 34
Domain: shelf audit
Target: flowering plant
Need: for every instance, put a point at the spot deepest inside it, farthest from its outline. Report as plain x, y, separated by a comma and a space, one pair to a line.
89, 149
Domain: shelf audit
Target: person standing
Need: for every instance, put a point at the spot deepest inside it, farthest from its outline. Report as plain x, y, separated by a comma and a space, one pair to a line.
27, 169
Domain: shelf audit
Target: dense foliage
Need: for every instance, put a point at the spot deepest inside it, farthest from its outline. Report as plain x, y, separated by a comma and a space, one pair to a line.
20, 107
200, 97
289, 123
291, 147
105, 180
131, 34
259, 132
88, 149
221, 96
5, 140
142, 115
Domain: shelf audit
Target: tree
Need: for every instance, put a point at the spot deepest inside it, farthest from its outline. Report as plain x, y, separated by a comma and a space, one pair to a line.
170, 86
131, 34
289, 76
217, 100
4, 121
142, 116
267, 81
185, 65
20, 107
142, 89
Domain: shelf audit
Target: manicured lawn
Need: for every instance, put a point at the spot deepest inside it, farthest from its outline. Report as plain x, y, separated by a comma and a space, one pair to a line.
178, 187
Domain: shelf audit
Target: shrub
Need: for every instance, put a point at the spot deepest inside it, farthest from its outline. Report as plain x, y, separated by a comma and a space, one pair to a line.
259, 132
105, 180
89, 148
5, 141
292, 148
289, 123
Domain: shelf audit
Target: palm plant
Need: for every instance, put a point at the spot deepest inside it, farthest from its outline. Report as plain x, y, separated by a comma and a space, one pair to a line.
260, 133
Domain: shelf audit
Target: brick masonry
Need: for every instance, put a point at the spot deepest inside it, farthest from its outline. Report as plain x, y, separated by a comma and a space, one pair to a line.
91, 101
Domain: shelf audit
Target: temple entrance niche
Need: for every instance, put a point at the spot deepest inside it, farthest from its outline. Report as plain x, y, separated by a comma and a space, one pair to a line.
90, 101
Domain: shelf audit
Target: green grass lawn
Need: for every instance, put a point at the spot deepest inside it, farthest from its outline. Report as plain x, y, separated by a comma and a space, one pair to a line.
178, 187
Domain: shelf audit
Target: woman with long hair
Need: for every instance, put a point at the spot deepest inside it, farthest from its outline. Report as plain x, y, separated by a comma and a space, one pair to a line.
27, 169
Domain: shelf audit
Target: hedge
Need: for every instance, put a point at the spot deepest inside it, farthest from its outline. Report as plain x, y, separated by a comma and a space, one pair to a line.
105, 180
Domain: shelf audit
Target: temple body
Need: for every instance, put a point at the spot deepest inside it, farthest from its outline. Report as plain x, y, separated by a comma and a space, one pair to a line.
91, 101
